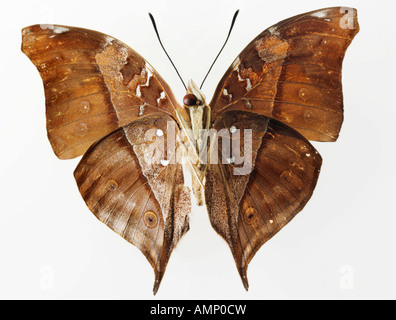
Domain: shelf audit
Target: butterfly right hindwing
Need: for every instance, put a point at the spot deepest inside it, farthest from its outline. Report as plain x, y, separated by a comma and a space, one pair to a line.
249, 202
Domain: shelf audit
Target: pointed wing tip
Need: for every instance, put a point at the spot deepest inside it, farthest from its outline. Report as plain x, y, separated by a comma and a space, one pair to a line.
242, 273
156, 287
245, 282
158, 278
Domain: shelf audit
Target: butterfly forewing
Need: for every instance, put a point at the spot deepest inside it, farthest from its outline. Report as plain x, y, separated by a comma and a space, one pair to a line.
292, 72
93, 85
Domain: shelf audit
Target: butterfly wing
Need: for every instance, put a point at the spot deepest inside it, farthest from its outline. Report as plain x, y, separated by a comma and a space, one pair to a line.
286, 87
105, 100
249, 201
93, 85
133, 182
292, 72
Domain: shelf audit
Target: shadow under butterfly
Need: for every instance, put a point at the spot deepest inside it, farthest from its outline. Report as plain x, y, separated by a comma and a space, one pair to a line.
105, 102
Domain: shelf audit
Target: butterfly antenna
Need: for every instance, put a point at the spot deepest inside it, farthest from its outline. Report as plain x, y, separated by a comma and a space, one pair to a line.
159, 39
229, 32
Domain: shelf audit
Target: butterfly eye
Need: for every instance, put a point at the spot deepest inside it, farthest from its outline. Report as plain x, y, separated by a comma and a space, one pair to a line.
190, 100
150, 219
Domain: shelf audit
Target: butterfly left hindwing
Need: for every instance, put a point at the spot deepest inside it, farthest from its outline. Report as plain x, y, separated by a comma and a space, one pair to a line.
126, 183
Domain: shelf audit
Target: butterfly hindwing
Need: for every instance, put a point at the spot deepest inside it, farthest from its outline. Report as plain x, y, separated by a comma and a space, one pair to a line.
133, 183
292, 72
248, 203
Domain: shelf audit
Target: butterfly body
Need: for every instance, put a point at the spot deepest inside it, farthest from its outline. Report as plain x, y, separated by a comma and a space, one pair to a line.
248, 148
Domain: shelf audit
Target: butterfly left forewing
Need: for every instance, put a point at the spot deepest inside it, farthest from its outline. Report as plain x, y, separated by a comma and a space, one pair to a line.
93, 85
250, 202
133, 183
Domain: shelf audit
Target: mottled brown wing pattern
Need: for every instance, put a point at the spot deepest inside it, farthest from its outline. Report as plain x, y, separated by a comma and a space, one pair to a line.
105, 100
247, 210
292, 72
126, 183
93, 85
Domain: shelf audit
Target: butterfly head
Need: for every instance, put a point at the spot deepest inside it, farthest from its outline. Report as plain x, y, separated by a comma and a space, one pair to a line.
194, 96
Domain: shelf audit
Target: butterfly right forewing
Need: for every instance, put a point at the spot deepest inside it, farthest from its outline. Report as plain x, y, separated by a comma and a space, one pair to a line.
292, 72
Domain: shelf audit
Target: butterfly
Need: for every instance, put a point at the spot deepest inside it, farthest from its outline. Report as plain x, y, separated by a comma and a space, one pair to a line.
248, 149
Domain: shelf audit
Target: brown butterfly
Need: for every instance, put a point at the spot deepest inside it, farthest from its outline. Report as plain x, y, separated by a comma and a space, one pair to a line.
248, 149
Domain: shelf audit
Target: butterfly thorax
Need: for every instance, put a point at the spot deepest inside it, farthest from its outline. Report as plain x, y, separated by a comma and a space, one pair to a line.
196, 132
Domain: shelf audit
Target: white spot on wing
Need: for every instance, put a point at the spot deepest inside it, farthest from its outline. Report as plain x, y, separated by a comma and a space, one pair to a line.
145, 73
109, 40
164, 162
149, 74
138, 93
239, 76
320, 14
225, 93
235, 63
162, 96
55, 29
47, 26
248, 105
141, 110
248, 84
273, 30
61, 30
124, 52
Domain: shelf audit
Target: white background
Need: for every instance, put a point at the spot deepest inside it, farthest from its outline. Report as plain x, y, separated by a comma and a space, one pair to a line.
341, 246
